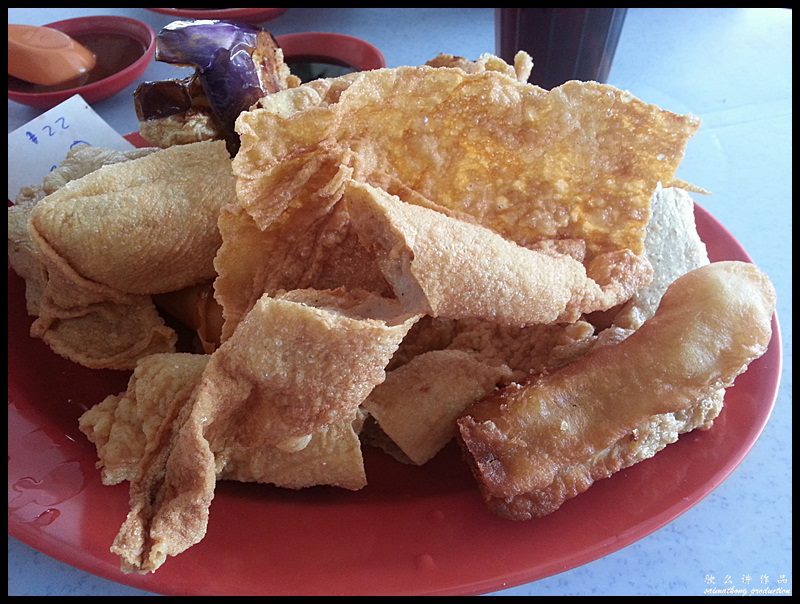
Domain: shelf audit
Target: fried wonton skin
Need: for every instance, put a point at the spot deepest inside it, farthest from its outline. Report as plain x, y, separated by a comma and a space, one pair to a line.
445, 267
578, 162
531, 447
301, 238
573, 167
297, 365
124, 426
105, 241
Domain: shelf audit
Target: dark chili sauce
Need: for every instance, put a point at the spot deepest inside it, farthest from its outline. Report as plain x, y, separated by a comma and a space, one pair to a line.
309, 68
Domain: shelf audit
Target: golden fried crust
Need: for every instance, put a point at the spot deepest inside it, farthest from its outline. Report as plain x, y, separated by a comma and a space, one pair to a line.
123, 427
444, 267
417, 405
299, 237
143, 226
533, 446
577, 162
296, 365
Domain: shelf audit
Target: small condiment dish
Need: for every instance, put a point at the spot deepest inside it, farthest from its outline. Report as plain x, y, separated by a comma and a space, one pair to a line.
124, 48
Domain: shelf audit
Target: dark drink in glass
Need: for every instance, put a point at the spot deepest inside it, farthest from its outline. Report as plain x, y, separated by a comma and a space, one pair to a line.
565, 43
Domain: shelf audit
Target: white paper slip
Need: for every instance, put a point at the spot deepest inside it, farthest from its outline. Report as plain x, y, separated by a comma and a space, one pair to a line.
37, 147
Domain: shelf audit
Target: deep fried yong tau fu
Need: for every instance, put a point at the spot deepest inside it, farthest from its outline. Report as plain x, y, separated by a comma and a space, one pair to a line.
534, 446
394, 257
108, 236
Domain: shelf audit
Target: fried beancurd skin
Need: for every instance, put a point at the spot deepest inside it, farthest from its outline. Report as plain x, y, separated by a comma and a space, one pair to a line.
577, 164
532, 447
298, 364
105, 240
445, 267
144, 226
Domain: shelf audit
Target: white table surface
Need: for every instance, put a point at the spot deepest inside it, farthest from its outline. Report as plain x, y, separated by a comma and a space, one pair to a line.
731, 67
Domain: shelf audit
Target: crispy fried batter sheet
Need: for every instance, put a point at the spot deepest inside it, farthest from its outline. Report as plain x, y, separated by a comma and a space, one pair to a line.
305, 240
578, 162
103, 242
532, 447
444, 267
297, 367
124, 426
570, 168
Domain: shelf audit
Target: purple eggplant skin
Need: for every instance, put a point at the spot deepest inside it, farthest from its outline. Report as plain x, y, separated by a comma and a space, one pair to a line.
235, 62
155, 100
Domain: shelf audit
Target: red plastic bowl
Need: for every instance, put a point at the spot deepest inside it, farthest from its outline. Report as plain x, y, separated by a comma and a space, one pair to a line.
339, 48
247, 15
109, 86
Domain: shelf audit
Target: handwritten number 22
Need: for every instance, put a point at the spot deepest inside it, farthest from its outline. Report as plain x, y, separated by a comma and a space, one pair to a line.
49, 130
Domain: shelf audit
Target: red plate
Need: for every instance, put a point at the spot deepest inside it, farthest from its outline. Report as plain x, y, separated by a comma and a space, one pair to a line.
411, 531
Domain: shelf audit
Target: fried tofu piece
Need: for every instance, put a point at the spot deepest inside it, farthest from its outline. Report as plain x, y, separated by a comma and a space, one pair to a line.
531, 447
673, 248
418, 403
297, 367
445, 267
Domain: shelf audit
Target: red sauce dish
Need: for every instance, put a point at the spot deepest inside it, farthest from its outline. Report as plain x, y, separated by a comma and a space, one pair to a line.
124, 48
337, 49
